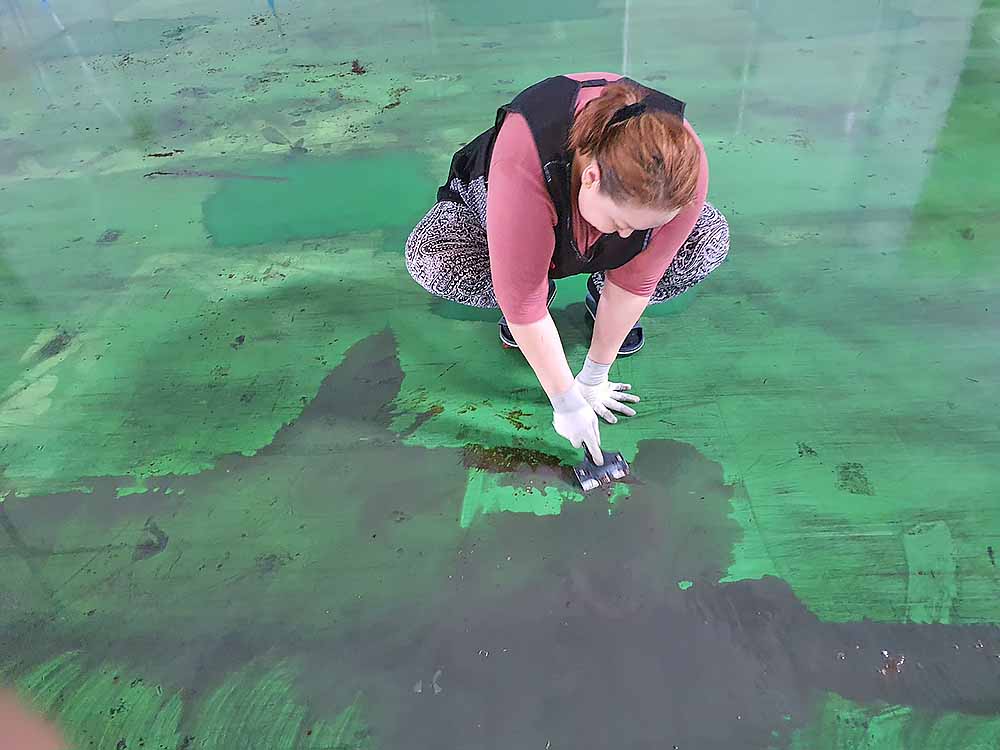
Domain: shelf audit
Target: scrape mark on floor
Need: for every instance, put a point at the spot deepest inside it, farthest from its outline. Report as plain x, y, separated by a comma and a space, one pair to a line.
930, 558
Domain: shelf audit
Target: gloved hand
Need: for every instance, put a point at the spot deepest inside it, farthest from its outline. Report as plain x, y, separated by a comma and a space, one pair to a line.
574, 419
605, 397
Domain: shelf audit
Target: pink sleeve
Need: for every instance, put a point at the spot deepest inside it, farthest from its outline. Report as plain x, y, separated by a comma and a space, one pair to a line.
520, 221
641, 274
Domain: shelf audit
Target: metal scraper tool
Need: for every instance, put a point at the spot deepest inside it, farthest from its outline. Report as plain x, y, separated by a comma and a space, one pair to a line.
591, 476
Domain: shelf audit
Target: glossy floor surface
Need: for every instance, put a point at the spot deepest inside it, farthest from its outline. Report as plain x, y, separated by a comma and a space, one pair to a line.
261, 491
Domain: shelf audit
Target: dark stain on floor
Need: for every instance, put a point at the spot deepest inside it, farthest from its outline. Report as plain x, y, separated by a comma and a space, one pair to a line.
516, 418
851, 477
806, 450
566, 631
110, 236
56, 345
154, 543
504, 459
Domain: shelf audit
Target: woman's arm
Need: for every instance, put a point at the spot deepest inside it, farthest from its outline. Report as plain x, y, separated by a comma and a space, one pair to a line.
617, 312
519, 226
519, 221
573, 415
541, 346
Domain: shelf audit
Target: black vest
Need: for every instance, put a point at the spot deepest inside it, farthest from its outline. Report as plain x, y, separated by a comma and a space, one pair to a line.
549, 108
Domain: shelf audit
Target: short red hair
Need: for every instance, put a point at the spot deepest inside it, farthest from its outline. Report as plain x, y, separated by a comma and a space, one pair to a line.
650, 159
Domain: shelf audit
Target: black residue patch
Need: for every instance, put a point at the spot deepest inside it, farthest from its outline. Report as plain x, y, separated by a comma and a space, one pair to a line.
217, 175
271, 562
177, 33
163, 154
195, 92
991, 555
968, 234
396, 97
56, 345
153, 544
806, 450
852, 478
238, 341
109, 236
357, 68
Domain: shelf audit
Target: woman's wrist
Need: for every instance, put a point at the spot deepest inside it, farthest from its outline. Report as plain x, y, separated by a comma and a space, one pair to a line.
593, 373
570, 400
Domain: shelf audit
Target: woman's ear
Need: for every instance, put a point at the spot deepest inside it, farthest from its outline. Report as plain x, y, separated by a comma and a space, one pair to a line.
591, 175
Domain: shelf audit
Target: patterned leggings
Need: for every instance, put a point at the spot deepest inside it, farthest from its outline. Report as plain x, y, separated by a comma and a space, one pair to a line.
448, 256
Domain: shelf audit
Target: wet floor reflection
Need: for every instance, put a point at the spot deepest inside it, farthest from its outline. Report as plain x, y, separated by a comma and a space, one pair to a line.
336, 548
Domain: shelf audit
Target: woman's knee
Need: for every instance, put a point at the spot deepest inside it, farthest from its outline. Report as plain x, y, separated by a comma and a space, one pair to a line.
705, 249
424, 248
412, 254
448, 255
709, 240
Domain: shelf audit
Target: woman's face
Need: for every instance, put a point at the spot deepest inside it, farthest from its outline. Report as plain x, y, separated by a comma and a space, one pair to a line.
609, 217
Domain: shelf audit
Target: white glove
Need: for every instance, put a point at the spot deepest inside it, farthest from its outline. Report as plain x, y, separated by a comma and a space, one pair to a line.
605, 397
574, 419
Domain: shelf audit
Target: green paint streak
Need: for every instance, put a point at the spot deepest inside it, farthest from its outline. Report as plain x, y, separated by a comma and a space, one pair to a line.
139, 488
252, 712
751, 555
348, 731
844, 725
493, 493
930, 557
319, 198
104, 707
684, 585
48, 683
486, 493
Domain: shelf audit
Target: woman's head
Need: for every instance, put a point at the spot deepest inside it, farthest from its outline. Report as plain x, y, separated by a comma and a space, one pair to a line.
634, 168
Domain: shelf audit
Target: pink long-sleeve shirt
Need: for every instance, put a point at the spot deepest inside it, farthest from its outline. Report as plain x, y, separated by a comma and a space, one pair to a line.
521, 220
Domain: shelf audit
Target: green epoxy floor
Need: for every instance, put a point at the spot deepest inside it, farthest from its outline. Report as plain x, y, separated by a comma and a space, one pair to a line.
240, 449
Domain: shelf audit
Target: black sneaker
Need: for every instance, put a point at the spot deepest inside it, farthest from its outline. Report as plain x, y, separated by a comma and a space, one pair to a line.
506, 338
633, 341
